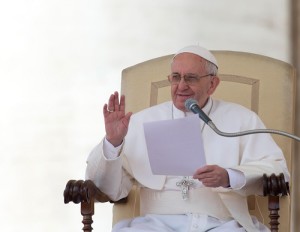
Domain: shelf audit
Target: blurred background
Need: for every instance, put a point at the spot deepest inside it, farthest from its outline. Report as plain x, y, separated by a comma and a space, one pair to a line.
61, 59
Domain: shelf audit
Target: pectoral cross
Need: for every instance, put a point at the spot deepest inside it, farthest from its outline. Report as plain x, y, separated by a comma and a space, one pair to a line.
185, 183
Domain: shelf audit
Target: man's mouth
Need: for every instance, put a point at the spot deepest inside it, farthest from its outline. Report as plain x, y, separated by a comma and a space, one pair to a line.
185, 95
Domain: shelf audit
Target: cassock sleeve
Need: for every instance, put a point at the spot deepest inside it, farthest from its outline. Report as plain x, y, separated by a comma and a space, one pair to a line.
108, 174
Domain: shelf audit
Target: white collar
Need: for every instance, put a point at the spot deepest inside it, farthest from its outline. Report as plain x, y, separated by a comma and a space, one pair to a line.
180, 114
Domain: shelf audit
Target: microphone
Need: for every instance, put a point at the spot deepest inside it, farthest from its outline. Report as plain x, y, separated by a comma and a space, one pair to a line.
192, 105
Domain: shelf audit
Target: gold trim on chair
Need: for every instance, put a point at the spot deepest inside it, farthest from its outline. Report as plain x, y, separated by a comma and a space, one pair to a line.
248, 81
155, 86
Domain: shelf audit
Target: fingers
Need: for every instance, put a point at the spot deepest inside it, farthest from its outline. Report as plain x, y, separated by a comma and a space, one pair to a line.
206, 168
122, 103
105, 111
207, 171
212, 176
114, 104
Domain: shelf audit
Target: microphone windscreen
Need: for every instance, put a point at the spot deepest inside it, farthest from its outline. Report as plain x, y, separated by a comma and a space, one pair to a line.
189, 103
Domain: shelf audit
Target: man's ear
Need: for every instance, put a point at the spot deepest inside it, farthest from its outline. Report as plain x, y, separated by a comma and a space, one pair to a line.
214, 82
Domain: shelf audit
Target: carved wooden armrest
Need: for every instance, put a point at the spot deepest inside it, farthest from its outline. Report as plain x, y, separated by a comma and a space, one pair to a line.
274, 186
86, 193
79, 191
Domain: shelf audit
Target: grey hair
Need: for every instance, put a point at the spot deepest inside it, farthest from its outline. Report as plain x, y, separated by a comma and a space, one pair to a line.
211, 68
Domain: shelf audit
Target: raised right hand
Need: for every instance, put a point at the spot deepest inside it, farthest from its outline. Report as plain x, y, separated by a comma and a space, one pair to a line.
116, 122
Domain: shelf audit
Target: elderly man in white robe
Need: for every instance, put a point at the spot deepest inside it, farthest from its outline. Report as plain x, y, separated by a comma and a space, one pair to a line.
217, 192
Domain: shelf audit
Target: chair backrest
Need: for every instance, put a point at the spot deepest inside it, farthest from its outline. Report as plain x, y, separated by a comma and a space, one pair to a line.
263, 84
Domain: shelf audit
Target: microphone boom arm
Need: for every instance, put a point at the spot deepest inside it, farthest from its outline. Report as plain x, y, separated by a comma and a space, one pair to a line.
248, 132
192, 105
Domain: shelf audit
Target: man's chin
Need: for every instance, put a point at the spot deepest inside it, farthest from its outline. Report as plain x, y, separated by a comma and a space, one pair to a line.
180, 106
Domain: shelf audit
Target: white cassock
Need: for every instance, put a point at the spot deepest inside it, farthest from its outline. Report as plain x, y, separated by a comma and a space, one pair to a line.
213, 209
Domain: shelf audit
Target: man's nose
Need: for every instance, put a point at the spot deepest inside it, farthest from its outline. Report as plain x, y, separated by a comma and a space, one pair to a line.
182, 84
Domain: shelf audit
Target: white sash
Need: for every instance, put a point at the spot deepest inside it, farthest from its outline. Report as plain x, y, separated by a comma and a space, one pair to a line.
202, 201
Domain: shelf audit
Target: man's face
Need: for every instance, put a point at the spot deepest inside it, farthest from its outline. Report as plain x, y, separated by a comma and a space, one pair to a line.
190, 64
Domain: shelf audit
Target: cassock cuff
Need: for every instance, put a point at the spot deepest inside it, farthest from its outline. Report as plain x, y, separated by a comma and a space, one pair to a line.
236, 178
110, 152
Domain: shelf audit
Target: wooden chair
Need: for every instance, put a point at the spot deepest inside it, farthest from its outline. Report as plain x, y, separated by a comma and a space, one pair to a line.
263, 84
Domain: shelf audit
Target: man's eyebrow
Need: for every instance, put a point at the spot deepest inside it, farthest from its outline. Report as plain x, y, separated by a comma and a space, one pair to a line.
185, 73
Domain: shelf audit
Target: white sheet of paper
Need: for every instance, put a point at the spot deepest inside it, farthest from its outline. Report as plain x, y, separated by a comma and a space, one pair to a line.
175, 147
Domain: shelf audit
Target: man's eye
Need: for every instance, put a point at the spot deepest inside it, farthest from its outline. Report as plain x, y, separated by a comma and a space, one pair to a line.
176, 77
191, 78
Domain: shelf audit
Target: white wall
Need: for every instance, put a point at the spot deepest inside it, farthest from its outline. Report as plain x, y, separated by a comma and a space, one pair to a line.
60, 60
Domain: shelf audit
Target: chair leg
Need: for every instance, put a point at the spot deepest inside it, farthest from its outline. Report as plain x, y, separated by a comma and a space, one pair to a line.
87, 211
274, 215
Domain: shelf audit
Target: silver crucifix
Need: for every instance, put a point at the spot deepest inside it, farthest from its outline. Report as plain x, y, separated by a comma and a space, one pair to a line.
185, 183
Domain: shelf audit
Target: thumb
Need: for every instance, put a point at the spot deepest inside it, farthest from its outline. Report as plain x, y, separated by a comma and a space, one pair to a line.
126, 119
